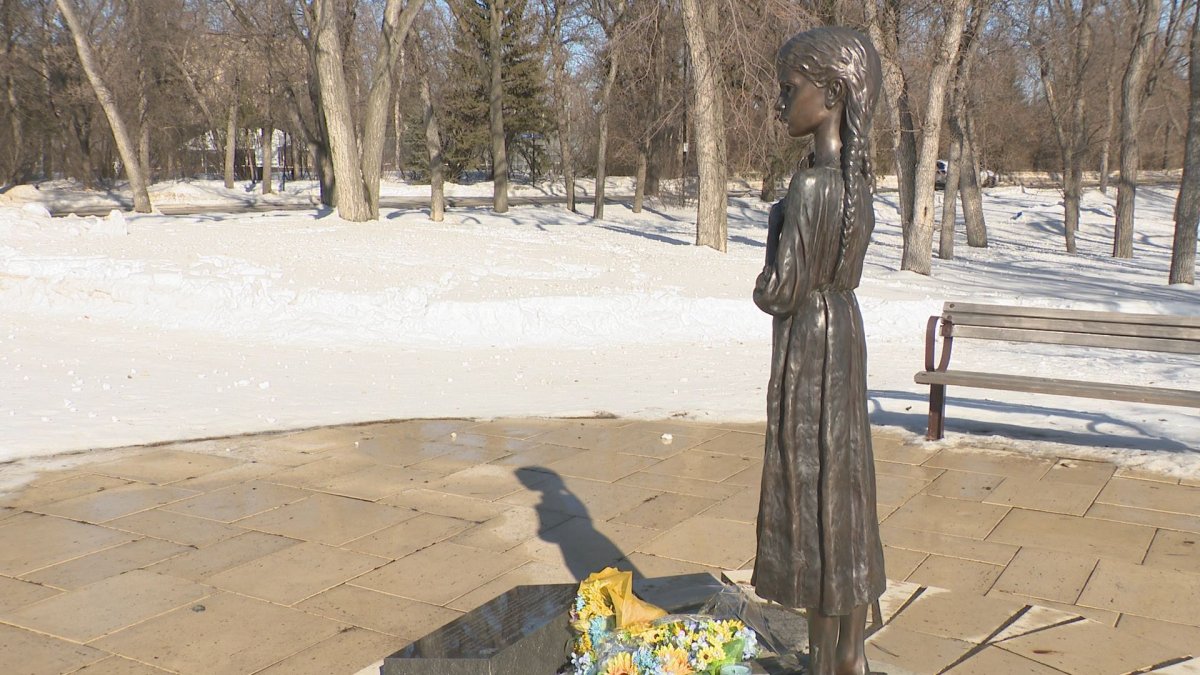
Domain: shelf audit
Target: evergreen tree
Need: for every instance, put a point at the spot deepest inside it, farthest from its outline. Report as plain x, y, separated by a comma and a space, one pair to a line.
527, 114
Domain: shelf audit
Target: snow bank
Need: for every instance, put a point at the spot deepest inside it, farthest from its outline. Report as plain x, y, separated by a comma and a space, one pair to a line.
142, 328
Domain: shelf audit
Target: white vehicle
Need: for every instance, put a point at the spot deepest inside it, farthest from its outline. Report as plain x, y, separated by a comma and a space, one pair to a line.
987, 177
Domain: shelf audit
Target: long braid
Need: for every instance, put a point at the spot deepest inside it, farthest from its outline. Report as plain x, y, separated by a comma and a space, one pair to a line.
856, 161
852, 166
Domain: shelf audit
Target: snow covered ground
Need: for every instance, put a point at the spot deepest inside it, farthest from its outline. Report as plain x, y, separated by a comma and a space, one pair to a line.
135, 329
64, 195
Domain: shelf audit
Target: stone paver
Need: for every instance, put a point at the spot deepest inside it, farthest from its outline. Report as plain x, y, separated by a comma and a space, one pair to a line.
340, 545
1050, 575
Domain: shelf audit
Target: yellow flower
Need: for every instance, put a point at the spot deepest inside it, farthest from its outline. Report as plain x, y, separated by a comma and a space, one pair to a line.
674, 661
710, 654
594, 602
621, 664
721, 631
585, 643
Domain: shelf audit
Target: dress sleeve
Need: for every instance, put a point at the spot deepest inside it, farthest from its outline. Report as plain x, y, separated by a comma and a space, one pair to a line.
784, 281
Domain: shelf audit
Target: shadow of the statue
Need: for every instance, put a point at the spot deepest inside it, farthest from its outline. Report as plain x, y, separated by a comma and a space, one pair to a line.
584, 548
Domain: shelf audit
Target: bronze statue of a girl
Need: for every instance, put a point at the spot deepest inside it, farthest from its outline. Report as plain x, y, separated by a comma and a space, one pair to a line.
818, 533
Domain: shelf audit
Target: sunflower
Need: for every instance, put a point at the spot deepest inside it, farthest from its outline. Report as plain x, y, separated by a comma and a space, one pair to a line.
621, 664
709, 654
674, 661
723, 631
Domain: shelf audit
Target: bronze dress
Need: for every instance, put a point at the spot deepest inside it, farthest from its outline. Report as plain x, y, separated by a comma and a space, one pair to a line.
818, 533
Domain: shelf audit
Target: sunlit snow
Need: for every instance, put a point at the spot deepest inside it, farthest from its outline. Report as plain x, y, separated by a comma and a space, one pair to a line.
139, 328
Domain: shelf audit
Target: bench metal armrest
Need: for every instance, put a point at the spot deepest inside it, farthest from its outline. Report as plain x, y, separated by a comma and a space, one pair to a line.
931, 340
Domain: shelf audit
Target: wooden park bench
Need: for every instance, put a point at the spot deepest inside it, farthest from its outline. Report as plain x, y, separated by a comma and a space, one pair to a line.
1070, 328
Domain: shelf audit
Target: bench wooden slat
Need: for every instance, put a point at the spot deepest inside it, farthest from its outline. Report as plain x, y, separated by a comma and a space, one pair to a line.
1077, 314
959, 318
1043, 385
1079, 339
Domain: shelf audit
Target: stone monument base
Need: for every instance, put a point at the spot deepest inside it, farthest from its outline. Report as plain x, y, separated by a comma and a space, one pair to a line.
526, 630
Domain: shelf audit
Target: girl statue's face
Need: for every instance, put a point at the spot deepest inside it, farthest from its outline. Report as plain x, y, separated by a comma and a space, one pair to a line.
803, 106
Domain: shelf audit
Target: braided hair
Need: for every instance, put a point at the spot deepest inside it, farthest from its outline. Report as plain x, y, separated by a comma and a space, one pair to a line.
835, 54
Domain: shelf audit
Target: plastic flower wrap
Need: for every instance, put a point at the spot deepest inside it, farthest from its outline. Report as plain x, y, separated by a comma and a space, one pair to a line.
618, 634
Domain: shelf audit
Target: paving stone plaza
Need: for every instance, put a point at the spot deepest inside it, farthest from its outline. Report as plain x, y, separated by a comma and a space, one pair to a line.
323, 551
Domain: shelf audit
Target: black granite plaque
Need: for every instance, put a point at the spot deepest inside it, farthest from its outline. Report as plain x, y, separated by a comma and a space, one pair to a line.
522, 631
526, 631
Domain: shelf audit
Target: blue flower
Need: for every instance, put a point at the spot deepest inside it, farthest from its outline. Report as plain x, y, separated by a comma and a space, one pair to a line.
646, 662
583, 664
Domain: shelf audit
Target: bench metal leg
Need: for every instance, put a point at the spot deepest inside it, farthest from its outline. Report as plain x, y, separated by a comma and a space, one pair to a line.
937, 412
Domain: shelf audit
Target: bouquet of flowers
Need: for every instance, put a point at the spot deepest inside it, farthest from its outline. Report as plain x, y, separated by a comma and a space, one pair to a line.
618, 634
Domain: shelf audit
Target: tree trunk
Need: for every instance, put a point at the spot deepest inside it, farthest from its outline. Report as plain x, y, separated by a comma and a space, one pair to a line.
709, 113
1068, 116
496, 105
959, 104
639, 190
137, 180
563, 114
326, 178
918, 243
1077, 147
268, 153
317, 132
231, 139
1110, 91
433, 145
905, 152
143, 107
969, 192
357, 160
398, 126
349, 190
950, 191
14, 121
144, 140
884, 32
1187, 206
397, 19
1132, 88
768, 192
602, 142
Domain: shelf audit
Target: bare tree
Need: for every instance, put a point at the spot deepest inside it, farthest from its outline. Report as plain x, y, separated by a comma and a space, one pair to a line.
609, 14
1110, 99
1187, 206
433, 146
125, 146
700, 25
1066, 104
918, 241
556, 11
231, 135
268, 153
969, 191
357, 159
141, 32
1133, 86
957, 122
654, 119
884, 26
16, 159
